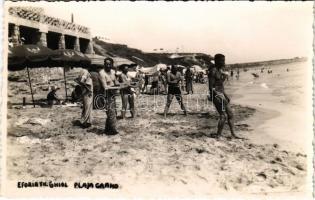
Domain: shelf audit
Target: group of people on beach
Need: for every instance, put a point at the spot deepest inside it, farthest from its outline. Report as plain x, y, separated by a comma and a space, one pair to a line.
237, 73
104, 80
159, 83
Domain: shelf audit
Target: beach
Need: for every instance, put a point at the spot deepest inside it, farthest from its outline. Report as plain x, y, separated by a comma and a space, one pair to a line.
174, 156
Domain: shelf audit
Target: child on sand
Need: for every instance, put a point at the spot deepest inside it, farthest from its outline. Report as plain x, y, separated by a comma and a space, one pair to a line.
52, 97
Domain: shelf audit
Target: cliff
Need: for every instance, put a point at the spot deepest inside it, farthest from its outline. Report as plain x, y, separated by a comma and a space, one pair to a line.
143, 58
268, 63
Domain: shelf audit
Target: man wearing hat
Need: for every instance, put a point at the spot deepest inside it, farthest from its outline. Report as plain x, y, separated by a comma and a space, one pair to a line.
108, 82
52, 97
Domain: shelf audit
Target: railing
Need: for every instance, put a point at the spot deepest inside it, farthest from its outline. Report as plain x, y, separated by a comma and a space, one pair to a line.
37, 16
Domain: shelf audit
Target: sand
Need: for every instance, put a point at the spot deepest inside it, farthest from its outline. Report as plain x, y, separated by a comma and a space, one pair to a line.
173, 156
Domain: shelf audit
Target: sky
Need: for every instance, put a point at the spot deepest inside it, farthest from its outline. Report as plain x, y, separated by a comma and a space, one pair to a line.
243, 31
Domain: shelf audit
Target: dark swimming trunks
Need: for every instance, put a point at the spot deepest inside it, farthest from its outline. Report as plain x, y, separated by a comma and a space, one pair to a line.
174, 89
220, 101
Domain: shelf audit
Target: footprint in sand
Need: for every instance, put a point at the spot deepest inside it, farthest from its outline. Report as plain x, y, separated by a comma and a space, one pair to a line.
300, 167
278, 159
262, 176
223, 168
302, 155
203, 178
184, 182
275, 146
261, 157
275, 170
200, 150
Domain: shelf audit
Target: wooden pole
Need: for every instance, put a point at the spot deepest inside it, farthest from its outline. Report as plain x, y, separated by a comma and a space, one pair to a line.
64, 76
29, 80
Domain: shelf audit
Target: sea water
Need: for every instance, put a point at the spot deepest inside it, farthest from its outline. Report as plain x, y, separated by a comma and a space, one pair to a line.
282, 99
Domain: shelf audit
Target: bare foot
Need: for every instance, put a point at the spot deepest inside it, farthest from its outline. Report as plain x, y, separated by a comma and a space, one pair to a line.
214, 135
237, 137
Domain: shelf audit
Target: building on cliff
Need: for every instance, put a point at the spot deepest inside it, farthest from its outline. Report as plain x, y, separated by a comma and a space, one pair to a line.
30, 25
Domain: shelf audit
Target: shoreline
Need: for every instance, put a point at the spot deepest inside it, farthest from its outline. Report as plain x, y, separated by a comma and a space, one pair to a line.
262, 117
276, 119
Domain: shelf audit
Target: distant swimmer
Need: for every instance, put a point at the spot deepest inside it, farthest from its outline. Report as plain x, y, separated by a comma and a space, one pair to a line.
238, 73
218, 96
255, 75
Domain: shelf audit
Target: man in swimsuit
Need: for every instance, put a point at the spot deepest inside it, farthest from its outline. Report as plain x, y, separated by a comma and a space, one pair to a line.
189, 80
146, 82
127, 93
238, 74
218, 96
140, 78
173, 79
97, 87
155, 83
163, 79
109, 81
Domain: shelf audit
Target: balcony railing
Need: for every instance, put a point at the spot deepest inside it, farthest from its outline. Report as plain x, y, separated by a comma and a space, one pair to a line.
39, 17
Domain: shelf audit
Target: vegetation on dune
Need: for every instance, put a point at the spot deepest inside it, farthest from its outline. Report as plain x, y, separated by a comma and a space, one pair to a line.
143, 58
